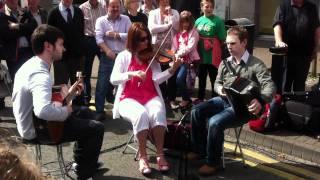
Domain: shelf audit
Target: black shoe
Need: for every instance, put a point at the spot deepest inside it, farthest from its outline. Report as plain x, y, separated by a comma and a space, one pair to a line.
100, 116
99, 165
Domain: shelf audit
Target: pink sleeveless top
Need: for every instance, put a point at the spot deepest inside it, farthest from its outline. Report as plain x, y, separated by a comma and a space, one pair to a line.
138, 89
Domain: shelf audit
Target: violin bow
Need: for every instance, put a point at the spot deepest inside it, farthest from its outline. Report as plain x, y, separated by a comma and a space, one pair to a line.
158, 50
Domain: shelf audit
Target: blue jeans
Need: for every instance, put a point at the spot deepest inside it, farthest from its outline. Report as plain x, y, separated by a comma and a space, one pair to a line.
92, 50
104, 89
209, 120
181, 82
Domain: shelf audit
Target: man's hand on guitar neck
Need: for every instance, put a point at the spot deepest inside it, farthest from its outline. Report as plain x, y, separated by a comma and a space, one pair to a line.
64, 90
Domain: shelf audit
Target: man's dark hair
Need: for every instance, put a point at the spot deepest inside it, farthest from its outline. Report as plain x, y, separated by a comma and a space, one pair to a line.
239, 31
44, 33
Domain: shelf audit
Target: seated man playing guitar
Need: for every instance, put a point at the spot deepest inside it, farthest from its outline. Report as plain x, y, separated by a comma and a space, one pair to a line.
32, 96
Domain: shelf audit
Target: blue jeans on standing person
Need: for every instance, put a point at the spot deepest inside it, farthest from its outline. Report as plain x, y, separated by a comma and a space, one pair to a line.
182, 82
92, 50
208, 121
104, 89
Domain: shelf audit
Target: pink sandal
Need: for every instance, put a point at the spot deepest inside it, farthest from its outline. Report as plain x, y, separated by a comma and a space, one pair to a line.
163, 165
144, 167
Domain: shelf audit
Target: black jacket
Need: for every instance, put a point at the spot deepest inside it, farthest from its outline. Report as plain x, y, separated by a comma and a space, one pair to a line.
73, 32
9, 37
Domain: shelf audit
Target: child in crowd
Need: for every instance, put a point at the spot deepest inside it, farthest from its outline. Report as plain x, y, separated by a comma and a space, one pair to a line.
212, 32
12, 167
184, 44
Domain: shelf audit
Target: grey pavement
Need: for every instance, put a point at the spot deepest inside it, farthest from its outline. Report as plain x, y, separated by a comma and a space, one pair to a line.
122, 166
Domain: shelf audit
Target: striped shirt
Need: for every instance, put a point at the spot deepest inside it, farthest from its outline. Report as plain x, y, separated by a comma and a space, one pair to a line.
91, 14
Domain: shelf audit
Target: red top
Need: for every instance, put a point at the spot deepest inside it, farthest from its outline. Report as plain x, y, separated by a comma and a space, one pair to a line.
138, 89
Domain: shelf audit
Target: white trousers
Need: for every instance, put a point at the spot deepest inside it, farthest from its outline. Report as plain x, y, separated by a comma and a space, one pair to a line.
142, 117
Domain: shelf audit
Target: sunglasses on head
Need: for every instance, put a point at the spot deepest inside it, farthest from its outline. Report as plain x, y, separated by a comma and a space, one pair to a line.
143, 39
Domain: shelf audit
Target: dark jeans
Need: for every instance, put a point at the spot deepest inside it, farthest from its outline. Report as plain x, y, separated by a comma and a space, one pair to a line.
92, 50
104, 89
181, 82
208, 121
88, 136
297, 72
205, 69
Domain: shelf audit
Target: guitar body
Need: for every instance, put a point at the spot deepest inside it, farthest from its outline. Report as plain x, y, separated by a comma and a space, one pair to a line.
55, 128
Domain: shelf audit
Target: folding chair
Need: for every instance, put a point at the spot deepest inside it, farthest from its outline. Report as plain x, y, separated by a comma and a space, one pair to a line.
129, 145
237, 132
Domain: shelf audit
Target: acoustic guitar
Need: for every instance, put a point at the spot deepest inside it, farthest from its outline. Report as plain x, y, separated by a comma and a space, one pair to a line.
55, 128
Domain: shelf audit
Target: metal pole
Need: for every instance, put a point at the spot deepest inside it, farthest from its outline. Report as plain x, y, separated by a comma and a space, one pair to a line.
314, 66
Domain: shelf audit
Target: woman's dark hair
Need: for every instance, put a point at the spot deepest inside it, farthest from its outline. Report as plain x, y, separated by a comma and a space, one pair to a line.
134, 37
44, 33
186, 16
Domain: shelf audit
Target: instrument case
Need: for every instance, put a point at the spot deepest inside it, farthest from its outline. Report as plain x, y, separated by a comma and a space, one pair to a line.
302, 116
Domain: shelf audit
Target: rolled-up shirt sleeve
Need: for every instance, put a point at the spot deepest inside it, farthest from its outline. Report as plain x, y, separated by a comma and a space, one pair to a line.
100, 31
127, 24
40, 88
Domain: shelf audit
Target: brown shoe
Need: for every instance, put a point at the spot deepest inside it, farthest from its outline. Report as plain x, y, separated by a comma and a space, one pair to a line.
207, 170
193, 156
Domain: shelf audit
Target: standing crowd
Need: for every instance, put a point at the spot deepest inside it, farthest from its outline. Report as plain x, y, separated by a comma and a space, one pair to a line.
125, 35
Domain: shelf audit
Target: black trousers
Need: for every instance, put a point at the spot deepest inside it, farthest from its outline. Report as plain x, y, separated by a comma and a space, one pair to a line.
204, 70
66, 70
297, 73
88, 136
278, 71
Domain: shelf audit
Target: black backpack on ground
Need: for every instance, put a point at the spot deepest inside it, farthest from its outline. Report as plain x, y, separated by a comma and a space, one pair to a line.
302, 111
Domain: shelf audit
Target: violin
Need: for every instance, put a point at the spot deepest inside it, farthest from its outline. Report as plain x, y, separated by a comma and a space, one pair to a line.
164, 56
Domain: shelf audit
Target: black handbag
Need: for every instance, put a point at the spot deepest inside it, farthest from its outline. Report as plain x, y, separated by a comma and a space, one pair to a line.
178, 135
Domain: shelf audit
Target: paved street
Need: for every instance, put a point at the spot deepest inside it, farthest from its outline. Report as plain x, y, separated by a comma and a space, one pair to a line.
260, 164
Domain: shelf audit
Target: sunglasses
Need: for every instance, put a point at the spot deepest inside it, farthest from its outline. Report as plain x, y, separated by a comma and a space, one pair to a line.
143, 39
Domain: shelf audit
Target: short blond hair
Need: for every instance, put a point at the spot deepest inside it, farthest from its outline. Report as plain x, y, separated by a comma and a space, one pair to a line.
12, 167
207, 1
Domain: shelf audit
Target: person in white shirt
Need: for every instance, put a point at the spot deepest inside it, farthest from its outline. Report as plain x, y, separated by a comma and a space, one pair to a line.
32, 103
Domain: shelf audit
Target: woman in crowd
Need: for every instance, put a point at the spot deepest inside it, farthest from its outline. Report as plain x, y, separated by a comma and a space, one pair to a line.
184, 44
132, 12
147, 6
159, 23
212, 33
138, 97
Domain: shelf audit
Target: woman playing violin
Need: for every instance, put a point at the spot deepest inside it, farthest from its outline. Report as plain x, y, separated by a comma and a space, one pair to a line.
138, 97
